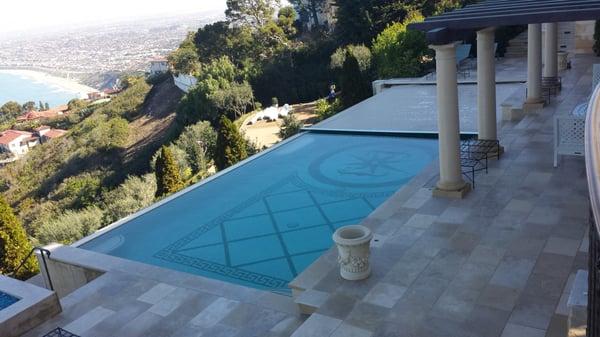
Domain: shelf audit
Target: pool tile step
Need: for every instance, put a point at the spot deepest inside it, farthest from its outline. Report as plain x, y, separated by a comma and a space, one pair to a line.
309, 301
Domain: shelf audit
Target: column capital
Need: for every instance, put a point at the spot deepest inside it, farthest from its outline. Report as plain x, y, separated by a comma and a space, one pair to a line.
444, 47
488, 30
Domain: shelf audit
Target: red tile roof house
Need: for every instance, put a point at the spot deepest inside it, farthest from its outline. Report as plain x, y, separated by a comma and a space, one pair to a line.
17, 142
46, 133
52, 113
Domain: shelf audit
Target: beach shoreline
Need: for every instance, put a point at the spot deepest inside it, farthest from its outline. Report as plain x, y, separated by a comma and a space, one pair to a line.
65, 84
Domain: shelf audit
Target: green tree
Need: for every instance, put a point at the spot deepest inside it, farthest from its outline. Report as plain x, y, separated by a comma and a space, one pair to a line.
234, 100
11, 108
168, 179
46, 106
184, 61
325, 109
354, 22
199, 142
355, 87
14, 245
41, 106
286, 19
253, 13
231, 145
398, 52
360, 52
29, 106
309, 10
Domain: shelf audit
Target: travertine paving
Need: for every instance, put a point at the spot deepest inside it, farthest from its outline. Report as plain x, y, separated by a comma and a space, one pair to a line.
495, 264
498, 263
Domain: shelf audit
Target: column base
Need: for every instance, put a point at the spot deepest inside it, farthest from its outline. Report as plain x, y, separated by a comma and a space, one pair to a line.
533, 105
452, 194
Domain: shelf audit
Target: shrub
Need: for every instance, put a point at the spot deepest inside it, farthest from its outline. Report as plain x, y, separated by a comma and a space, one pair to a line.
70, 226
325, 109
79, 191
14, 245
291, 126
131, 196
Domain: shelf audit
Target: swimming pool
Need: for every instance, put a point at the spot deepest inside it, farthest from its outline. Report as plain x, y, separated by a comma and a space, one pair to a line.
7, 300
263, 222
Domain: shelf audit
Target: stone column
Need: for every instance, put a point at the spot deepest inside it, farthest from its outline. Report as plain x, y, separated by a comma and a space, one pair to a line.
451, 183
486, 84
534, 65
551, 49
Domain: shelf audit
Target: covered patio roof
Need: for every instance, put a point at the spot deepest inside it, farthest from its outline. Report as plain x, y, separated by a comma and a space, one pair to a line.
452, 26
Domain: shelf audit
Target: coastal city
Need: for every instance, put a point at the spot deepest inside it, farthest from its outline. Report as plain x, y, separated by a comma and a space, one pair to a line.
97, 54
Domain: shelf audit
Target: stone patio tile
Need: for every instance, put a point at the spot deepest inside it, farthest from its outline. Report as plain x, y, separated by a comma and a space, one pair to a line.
286, 326
445, 265
214, 313
546, 286
385, 295
534, 312
171, 302
406, 236
512, 272
434, 206
139, 326
455, 303
463, 242
113, 323
535, 179
553, 264
157, 293
525, 248
562, 246
338, 305
515, 330
441, 327
317, 325
422, 221
543, 215
347, 330
418, 199
366, 315
486, 322
499, 297
424, 292
475, 276
454, 215
88, 320
406, 270
518, 205
441, 230
248, 317
222, 330
486, 255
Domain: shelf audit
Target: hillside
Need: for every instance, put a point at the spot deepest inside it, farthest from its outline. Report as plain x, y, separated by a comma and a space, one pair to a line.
71, 186
154, 126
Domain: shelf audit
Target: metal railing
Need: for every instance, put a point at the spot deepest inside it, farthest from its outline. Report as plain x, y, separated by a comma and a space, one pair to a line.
43, 253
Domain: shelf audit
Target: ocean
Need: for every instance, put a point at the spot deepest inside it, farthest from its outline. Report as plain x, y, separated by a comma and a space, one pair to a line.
23, 86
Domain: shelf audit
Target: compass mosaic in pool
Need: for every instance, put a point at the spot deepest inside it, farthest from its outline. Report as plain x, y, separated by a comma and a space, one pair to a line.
264, 222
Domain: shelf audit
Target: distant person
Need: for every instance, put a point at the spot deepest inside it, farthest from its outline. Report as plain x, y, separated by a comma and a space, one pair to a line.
331, 96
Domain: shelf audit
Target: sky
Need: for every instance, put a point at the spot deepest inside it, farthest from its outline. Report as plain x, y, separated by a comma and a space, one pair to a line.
27, 15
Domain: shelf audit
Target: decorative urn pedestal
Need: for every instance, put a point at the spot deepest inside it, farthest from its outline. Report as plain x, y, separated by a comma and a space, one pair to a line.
353, 243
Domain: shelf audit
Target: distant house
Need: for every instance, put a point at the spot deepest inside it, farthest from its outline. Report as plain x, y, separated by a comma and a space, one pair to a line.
96, 95
17, 142
46, 133
46, 114
158, 65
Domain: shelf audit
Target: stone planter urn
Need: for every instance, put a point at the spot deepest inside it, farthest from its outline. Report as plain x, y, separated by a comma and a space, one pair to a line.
353, 251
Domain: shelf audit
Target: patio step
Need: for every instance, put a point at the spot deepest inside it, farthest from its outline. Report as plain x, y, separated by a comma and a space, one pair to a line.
517, 47
309, 301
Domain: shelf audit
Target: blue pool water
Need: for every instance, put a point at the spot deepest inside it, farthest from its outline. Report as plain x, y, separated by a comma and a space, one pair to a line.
7, 300
262, 223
